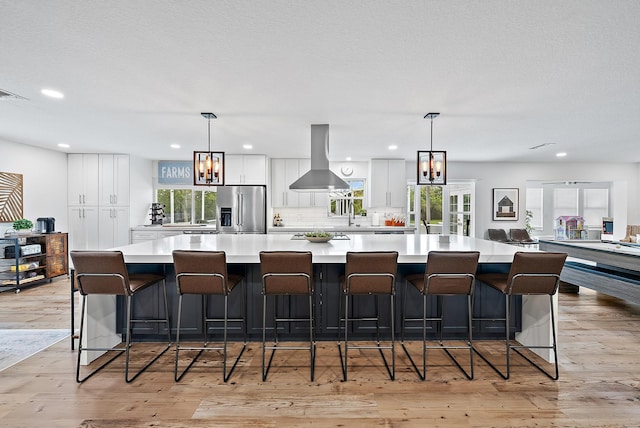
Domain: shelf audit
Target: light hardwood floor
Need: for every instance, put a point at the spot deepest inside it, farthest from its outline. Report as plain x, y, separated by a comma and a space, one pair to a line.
599, 381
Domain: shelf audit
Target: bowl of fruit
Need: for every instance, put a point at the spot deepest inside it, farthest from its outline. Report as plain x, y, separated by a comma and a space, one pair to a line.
318, 236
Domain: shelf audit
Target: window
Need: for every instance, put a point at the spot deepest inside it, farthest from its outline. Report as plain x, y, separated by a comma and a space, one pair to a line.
535, 205
188, 205
565, 202
339, 203
595, 206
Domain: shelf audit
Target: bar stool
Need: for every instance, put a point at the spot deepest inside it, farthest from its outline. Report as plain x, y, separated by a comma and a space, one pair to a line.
286, 273
448, 273
530, 274
104, 272
205, 273
368, 273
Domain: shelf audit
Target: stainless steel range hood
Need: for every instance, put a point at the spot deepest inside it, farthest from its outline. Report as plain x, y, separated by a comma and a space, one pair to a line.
320, 178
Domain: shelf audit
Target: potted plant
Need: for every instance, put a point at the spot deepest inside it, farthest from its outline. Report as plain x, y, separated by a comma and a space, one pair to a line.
23, 226
527, 221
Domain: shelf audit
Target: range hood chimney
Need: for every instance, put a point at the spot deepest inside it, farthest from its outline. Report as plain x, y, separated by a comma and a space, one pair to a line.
320, 178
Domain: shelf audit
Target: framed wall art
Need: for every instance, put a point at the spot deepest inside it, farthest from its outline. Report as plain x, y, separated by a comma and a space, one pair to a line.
10, 197
505, 204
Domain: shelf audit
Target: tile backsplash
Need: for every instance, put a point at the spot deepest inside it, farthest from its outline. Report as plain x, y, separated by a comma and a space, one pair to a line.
317, 217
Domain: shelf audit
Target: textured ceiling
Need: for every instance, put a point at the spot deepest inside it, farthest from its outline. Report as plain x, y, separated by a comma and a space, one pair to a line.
505, 76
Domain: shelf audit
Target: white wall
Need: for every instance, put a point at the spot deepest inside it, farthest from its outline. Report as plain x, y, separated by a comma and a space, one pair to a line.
45, 184
625, 178
141, 189
44, 181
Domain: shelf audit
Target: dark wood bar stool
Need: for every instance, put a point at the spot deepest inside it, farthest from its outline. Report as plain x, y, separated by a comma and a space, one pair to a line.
530, 274
104, 272
286, 273
204, 273
448, 273
368, 273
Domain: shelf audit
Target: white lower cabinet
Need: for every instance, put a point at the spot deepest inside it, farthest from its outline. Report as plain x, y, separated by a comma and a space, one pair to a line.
113, 230
83, 228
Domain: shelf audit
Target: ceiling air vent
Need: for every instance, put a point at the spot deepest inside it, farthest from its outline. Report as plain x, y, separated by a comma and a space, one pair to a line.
6, 95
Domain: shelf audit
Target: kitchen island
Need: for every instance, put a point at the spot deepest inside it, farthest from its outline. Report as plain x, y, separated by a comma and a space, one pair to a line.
328, 259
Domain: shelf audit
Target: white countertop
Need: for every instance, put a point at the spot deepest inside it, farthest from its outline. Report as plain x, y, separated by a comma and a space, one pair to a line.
412, 248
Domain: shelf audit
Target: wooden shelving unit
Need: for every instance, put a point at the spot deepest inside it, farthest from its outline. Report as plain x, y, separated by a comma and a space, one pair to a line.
18, 268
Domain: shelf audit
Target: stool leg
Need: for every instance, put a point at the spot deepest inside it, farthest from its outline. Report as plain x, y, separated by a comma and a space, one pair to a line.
166, 309
393, 338
312, 343
470, 331
84, 302
175, 370
224, 339
264, 334
128, 341
344, 360
507, 328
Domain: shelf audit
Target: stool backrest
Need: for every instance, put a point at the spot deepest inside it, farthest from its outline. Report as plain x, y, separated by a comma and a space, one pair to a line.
101, 272
535, 273
371, 272
520, 235
499, 235
451, 272
201, 272
286, 272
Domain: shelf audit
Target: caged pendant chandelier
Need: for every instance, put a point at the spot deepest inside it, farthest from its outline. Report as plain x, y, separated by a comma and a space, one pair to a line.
432, 165
208, 167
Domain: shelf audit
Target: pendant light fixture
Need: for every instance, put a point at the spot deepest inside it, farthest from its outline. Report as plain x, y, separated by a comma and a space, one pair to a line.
208, 167
432, 165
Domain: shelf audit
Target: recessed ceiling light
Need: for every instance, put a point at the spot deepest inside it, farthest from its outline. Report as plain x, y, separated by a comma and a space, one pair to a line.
393, 147
52, 93
348, 158
63, 145
175, 146
247, 146
561, 154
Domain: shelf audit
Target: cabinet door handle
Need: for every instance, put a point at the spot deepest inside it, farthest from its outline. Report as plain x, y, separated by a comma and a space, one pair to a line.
84, 198
115, 199
79, 212
79, 198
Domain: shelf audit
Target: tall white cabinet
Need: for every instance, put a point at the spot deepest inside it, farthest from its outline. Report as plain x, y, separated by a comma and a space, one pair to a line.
98, 201
387, 183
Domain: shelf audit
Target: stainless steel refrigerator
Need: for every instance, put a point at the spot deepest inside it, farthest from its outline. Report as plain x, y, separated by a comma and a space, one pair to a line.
242, 209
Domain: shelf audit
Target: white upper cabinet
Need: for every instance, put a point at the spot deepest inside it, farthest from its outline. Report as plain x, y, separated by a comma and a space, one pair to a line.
310, 199
245, 169
114, 180
387, 183
283, 173
82, 178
